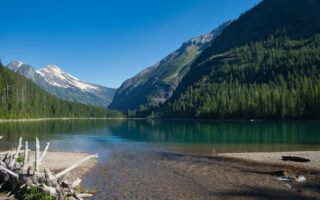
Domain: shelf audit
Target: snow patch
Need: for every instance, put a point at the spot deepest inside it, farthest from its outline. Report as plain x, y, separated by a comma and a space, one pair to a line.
57, 77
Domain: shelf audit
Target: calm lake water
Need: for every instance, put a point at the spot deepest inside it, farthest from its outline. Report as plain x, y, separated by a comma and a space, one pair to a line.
202, 137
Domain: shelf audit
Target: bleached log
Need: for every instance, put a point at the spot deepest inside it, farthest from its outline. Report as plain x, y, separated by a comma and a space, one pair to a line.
77, 164
51, 190
27, 176
76, 183
85, 195
50, 178
9, 172
36, 166
16, 155
6, 152
26, 156
44, 152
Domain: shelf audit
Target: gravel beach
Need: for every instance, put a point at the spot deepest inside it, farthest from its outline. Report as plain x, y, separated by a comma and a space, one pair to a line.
133, 173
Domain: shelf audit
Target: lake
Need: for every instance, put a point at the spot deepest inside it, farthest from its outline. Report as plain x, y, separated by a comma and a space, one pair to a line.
190, 136
139, 159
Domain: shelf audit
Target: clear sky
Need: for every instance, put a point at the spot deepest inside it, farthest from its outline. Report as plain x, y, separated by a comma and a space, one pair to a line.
106, 41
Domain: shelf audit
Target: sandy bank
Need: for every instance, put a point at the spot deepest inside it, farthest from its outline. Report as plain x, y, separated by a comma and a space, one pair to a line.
275, 158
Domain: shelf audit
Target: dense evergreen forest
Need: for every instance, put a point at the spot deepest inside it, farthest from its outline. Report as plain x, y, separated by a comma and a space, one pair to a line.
276, 78
21, 98
265, 64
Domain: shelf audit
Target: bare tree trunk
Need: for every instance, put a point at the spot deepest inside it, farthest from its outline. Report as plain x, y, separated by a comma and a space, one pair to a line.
26, 157
16, 155
37, 155
44, 152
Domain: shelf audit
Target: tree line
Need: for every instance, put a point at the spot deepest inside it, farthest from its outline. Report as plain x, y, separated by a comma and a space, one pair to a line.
21, 98
275, 78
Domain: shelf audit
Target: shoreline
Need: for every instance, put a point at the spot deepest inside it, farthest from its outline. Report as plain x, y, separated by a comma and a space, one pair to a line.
60, 118
145, 174
156, 119
275, 159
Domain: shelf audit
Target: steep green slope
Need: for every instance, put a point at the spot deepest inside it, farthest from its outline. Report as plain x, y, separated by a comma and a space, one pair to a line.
266, 64
156, 84
298, 18
21, 98
277, 78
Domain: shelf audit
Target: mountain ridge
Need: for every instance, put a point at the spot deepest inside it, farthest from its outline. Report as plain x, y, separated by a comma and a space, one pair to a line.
64, 85
155, 84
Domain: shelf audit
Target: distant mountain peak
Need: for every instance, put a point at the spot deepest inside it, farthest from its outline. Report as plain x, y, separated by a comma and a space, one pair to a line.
58, 82
207, 38
15, 65
53, 67
55, 76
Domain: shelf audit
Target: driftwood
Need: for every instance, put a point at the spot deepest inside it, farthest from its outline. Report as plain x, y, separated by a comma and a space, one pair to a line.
21, 176
295, 159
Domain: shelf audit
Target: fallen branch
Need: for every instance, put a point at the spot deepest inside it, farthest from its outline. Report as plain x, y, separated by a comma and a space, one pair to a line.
84, 195
26, 156
6, 152
16, 155
295, 159
77, 164
23, 177
9, 172
44, 152
37, 154
76, 183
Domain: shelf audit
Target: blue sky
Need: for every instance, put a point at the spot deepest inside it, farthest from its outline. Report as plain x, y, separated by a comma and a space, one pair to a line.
106, 42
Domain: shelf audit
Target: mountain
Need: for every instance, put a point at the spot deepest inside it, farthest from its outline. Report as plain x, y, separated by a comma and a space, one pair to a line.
65, 86
21, 98
155, 84
265, 64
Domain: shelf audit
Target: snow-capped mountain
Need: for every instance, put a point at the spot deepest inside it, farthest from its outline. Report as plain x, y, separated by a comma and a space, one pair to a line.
59, 83
56, 77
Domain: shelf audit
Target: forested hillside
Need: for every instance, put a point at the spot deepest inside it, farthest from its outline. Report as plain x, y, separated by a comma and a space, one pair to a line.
21, 98
266, 64
276, 78
297, 18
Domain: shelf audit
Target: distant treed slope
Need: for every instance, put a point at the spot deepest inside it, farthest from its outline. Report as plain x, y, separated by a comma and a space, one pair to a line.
21, 98
299, 18
264, 65
277, 78
156, 84
65, 86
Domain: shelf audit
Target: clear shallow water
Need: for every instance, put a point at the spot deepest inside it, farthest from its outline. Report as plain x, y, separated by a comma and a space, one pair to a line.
204, 137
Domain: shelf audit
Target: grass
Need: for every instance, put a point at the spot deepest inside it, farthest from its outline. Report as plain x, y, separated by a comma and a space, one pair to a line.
36, 194
20, 158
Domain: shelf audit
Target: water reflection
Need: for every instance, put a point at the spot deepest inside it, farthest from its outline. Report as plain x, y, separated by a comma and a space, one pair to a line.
190, 136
